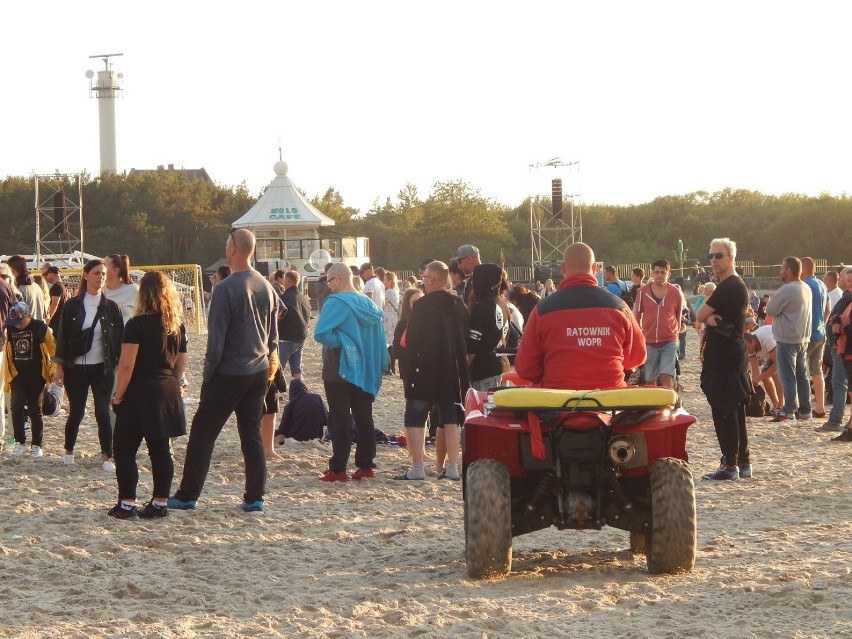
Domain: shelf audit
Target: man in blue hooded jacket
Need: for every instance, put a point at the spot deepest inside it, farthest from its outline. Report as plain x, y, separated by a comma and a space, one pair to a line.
354, 357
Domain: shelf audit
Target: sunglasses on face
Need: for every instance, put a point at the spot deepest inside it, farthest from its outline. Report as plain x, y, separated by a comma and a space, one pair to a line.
715, 256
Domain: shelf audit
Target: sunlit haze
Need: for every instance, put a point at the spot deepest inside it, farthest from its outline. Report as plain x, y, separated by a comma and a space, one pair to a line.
652, 98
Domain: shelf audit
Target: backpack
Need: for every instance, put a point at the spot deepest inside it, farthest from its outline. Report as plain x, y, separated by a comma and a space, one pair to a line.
625, 294
757, 404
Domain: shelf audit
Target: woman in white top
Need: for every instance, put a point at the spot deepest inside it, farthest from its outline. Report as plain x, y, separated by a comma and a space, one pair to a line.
87, 348
391, 311
119, 287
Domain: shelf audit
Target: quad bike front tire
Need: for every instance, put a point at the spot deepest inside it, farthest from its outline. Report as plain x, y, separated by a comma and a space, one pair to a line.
487, 519
671, 545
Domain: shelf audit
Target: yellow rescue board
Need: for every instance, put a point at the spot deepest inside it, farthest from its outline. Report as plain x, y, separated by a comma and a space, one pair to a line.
614, 399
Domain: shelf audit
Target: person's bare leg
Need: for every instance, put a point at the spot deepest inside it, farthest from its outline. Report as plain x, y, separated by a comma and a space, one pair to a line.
415, 437
666, 381
453, 439
819, 392
771, 391
267, 433
779, 390
440, 449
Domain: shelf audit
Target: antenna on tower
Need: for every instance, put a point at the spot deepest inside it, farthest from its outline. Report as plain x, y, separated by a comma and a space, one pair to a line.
105, 57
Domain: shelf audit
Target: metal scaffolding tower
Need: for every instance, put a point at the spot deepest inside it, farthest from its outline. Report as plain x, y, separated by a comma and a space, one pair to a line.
556, 218
59, 215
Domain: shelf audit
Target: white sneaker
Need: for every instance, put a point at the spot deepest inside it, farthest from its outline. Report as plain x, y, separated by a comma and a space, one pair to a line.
36, 452
108, 466
18, 449
68, 458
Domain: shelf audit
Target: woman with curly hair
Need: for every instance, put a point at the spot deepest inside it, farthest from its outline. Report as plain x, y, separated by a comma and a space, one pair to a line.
147, 401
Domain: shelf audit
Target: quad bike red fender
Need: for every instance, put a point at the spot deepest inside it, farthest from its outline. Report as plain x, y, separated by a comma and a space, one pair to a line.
516, 439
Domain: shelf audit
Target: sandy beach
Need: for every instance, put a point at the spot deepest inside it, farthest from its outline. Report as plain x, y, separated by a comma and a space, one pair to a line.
381, 558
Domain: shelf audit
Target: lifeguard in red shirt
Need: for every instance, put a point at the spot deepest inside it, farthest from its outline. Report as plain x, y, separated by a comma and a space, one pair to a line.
582, 336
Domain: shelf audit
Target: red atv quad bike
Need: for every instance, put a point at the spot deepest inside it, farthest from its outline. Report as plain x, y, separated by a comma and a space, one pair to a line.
534, 458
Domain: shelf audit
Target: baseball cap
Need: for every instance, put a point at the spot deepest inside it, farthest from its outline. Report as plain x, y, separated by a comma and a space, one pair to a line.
18, 312
467, 250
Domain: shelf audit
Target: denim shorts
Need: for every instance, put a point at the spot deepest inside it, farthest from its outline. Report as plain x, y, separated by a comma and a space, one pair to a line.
417, 410
661, 360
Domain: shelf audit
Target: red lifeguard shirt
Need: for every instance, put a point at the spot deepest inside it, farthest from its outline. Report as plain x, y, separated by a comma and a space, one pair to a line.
580, 337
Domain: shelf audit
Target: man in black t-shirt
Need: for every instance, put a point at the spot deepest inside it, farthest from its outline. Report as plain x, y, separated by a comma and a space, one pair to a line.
58, 295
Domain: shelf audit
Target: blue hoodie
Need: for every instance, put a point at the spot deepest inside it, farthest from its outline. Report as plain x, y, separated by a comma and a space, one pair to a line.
352, 323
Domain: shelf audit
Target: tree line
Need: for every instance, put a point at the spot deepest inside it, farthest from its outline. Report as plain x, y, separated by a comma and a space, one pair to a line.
162, 217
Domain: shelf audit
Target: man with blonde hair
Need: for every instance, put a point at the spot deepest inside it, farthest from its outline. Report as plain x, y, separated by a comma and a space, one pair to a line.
724, 362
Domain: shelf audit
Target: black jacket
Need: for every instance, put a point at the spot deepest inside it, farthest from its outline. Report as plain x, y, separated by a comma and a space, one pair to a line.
293, 325
436, 349
70, 338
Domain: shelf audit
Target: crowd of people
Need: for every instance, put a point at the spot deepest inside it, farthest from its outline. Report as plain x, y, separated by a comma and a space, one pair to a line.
446, 331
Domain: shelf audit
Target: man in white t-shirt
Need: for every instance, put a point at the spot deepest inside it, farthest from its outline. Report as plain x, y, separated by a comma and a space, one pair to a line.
831, 281
760, 344
374, 288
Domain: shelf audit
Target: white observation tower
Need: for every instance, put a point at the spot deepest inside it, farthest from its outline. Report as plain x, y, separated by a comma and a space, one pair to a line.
106, 89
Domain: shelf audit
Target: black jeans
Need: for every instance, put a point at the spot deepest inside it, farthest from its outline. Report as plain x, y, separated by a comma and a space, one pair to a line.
732, 435
126, 439
78, 381
26, 399
223, 395
345, 398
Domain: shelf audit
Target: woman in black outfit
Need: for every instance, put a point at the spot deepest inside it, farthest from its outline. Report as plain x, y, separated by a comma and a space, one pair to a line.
408, 298
147, 401
87, 348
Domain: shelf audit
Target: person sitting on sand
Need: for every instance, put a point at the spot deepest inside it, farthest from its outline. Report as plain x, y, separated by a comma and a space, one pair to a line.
305, 415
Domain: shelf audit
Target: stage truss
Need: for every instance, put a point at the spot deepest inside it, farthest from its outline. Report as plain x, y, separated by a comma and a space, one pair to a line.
556, 218
59, 215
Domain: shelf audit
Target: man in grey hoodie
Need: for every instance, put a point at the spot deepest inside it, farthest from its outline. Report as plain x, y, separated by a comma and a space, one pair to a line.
790, 308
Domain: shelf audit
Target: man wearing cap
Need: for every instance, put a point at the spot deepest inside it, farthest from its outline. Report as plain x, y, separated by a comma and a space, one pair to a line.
26, 371
7, 298
374, 288
468, 259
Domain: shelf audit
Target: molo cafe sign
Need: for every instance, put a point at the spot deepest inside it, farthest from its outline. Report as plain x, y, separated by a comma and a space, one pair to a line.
285, 213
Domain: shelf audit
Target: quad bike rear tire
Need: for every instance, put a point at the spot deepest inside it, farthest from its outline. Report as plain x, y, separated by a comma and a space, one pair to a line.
670, 547
487, 519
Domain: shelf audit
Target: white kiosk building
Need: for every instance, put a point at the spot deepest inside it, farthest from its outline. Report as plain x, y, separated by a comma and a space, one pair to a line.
289, 232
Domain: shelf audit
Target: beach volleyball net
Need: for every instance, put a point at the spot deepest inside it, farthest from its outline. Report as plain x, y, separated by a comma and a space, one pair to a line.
185, 277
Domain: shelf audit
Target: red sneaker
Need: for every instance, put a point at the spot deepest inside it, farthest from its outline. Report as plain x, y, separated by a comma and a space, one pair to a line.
362, 473
330, 475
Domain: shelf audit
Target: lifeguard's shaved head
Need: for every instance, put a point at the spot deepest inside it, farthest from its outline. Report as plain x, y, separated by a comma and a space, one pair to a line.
578, 258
